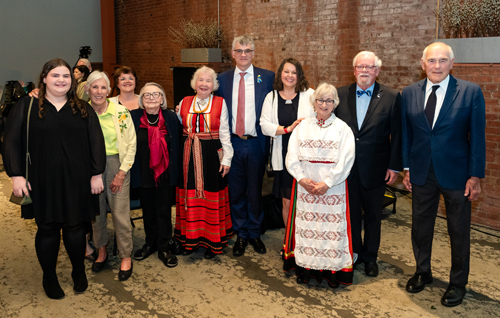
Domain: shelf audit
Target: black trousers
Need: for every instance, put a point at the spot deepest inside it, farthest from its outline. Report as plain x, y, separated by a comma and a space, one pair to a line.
425, 204
47, 241
369, 201
157, 215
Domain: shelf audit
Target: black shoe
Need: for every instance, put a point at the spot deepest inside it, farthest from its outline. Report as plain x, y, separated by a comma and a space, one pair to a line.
258, 245
144, 252
175, 247
99, 266
239, 246
168, 259
53, 289
92, 257
417, 283
124, 275
209, 254
371, 269
301, 280
186, 252
356, 264
80, 282
453, 296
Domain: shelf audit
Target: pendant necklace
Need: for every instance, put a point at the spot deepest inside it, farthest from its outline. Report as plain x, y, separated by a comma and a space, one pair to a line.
201, 103
321, 123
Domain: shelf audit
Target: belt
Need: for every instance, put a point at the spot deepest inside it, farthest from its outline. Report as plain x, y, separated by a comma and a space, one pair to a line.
244, 137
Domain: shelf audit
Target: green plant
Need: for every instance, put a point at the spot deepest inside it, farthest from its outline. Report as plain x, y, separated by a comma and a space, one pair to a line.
192, 34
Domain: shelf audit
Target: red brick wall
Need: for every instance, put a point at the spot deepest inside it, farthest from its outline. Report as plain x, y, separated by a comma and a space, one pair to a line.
486, 211
324, 35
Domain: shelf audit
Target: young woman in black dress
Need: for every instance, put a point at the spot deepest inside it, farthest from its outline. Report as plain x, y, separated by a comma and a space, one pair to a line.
67, 158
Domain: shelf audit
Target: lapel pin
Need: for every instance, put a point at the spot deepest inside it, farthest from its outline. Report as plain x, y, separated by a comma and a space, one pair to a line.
259, 79
378, 95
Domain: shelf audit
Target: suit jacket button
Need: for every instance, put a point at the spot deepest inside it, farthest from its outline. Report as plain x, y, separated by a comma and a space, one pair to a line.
357, 138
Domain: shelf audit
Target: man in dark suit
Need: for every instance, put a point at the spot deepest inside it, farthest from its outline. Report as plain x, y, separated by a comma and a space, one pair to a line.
373, 112
244, 89
443, 153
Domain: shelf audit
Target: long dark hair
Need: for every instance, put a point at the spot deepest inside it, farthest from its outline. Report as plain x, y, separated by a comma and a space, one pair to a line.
302, 83
83, 69
76, 104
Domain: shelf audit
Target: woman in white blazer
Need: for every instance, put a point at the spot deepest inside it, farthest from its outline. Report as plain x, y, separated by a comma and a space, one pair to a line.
283, 109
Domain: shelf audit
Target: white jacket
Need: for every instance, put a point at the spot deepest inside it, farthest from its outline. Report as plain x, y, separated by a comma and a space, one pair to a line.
269, 122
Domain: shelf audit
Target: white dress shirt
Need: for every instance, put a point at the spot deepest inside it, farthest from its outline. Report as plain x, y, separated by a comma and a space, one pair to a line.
224, 136
250, 116
440, 94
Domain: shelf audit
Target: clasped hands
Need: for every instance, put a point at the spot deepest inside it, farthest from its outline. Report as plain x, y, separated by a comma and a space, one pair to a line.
313, 187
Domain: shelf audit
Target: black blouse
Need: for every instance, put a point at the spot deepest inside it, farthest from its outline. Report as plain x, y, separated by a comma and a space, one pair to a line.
66, 150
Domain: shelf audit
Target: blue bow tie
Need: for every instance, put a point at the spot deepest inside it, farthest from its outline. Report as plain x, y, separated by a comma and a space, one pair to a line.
360, 93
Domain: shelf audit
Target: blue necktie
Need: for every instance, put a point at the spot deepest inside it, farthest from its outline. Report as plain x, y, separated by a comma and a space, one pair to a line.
360, 93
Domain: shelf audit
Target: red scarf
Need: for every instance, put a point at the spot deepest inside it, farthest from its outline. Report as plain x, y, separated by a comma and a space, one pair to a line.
158, 149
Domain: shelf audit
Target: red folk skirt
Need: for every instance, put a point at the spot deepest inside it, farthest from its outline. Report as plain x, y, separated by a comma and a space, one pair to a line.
204, 221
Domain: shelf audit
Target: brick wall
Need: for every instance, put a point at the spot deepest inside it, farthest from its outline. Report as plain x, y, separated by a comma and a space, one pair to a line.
323, 35
486, 211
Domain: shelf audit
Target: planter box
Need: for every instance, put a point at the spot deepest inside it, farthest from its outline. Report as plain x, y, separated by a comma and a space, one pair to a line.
201, 55
475, 50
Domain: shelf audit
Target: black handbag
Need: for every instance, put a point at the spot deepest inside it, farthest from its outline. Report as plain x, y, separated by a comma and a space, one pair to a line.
24, 200
273, 215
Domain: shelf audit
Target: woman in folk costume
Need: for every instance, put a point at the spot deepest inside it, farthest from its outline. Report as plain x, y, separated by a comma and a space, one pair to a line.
203, 217
320, 156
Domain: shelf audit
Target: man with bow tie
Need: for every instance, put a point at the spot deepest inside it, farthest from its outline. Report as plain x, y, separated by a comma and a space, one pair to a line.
373, 111
444, 151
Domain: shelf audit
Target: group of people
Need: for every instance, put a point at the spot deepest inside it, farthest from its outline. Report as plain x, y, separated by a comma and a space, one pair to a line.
333, 153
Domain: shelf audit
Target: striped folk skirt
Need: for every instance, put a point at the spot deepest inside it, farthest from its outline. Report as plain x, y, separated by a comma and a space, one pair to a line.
204, 220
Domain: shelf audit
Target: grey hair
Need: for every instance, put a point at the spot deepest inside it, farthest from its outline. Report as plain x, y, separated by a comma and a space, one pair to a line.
87, 63
244, 40
450, 50
94, 76
378, 62
163, 105
204, 70
323, 90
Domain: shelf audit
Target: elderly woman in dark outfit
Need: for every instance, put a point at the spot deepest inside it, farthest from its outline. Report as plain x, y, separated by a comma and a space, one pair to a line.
67, 155
156, 171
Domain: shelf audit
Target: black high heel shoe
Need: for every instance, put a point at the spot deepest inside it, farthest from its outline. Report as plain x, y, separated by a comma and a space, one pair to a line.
99, 266
124, 275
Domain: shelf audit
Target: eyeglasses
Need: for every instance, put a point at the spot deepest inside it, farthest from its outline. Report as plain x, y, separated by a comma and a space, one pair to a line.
367, 67
239, 52
329, 102
155, 95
